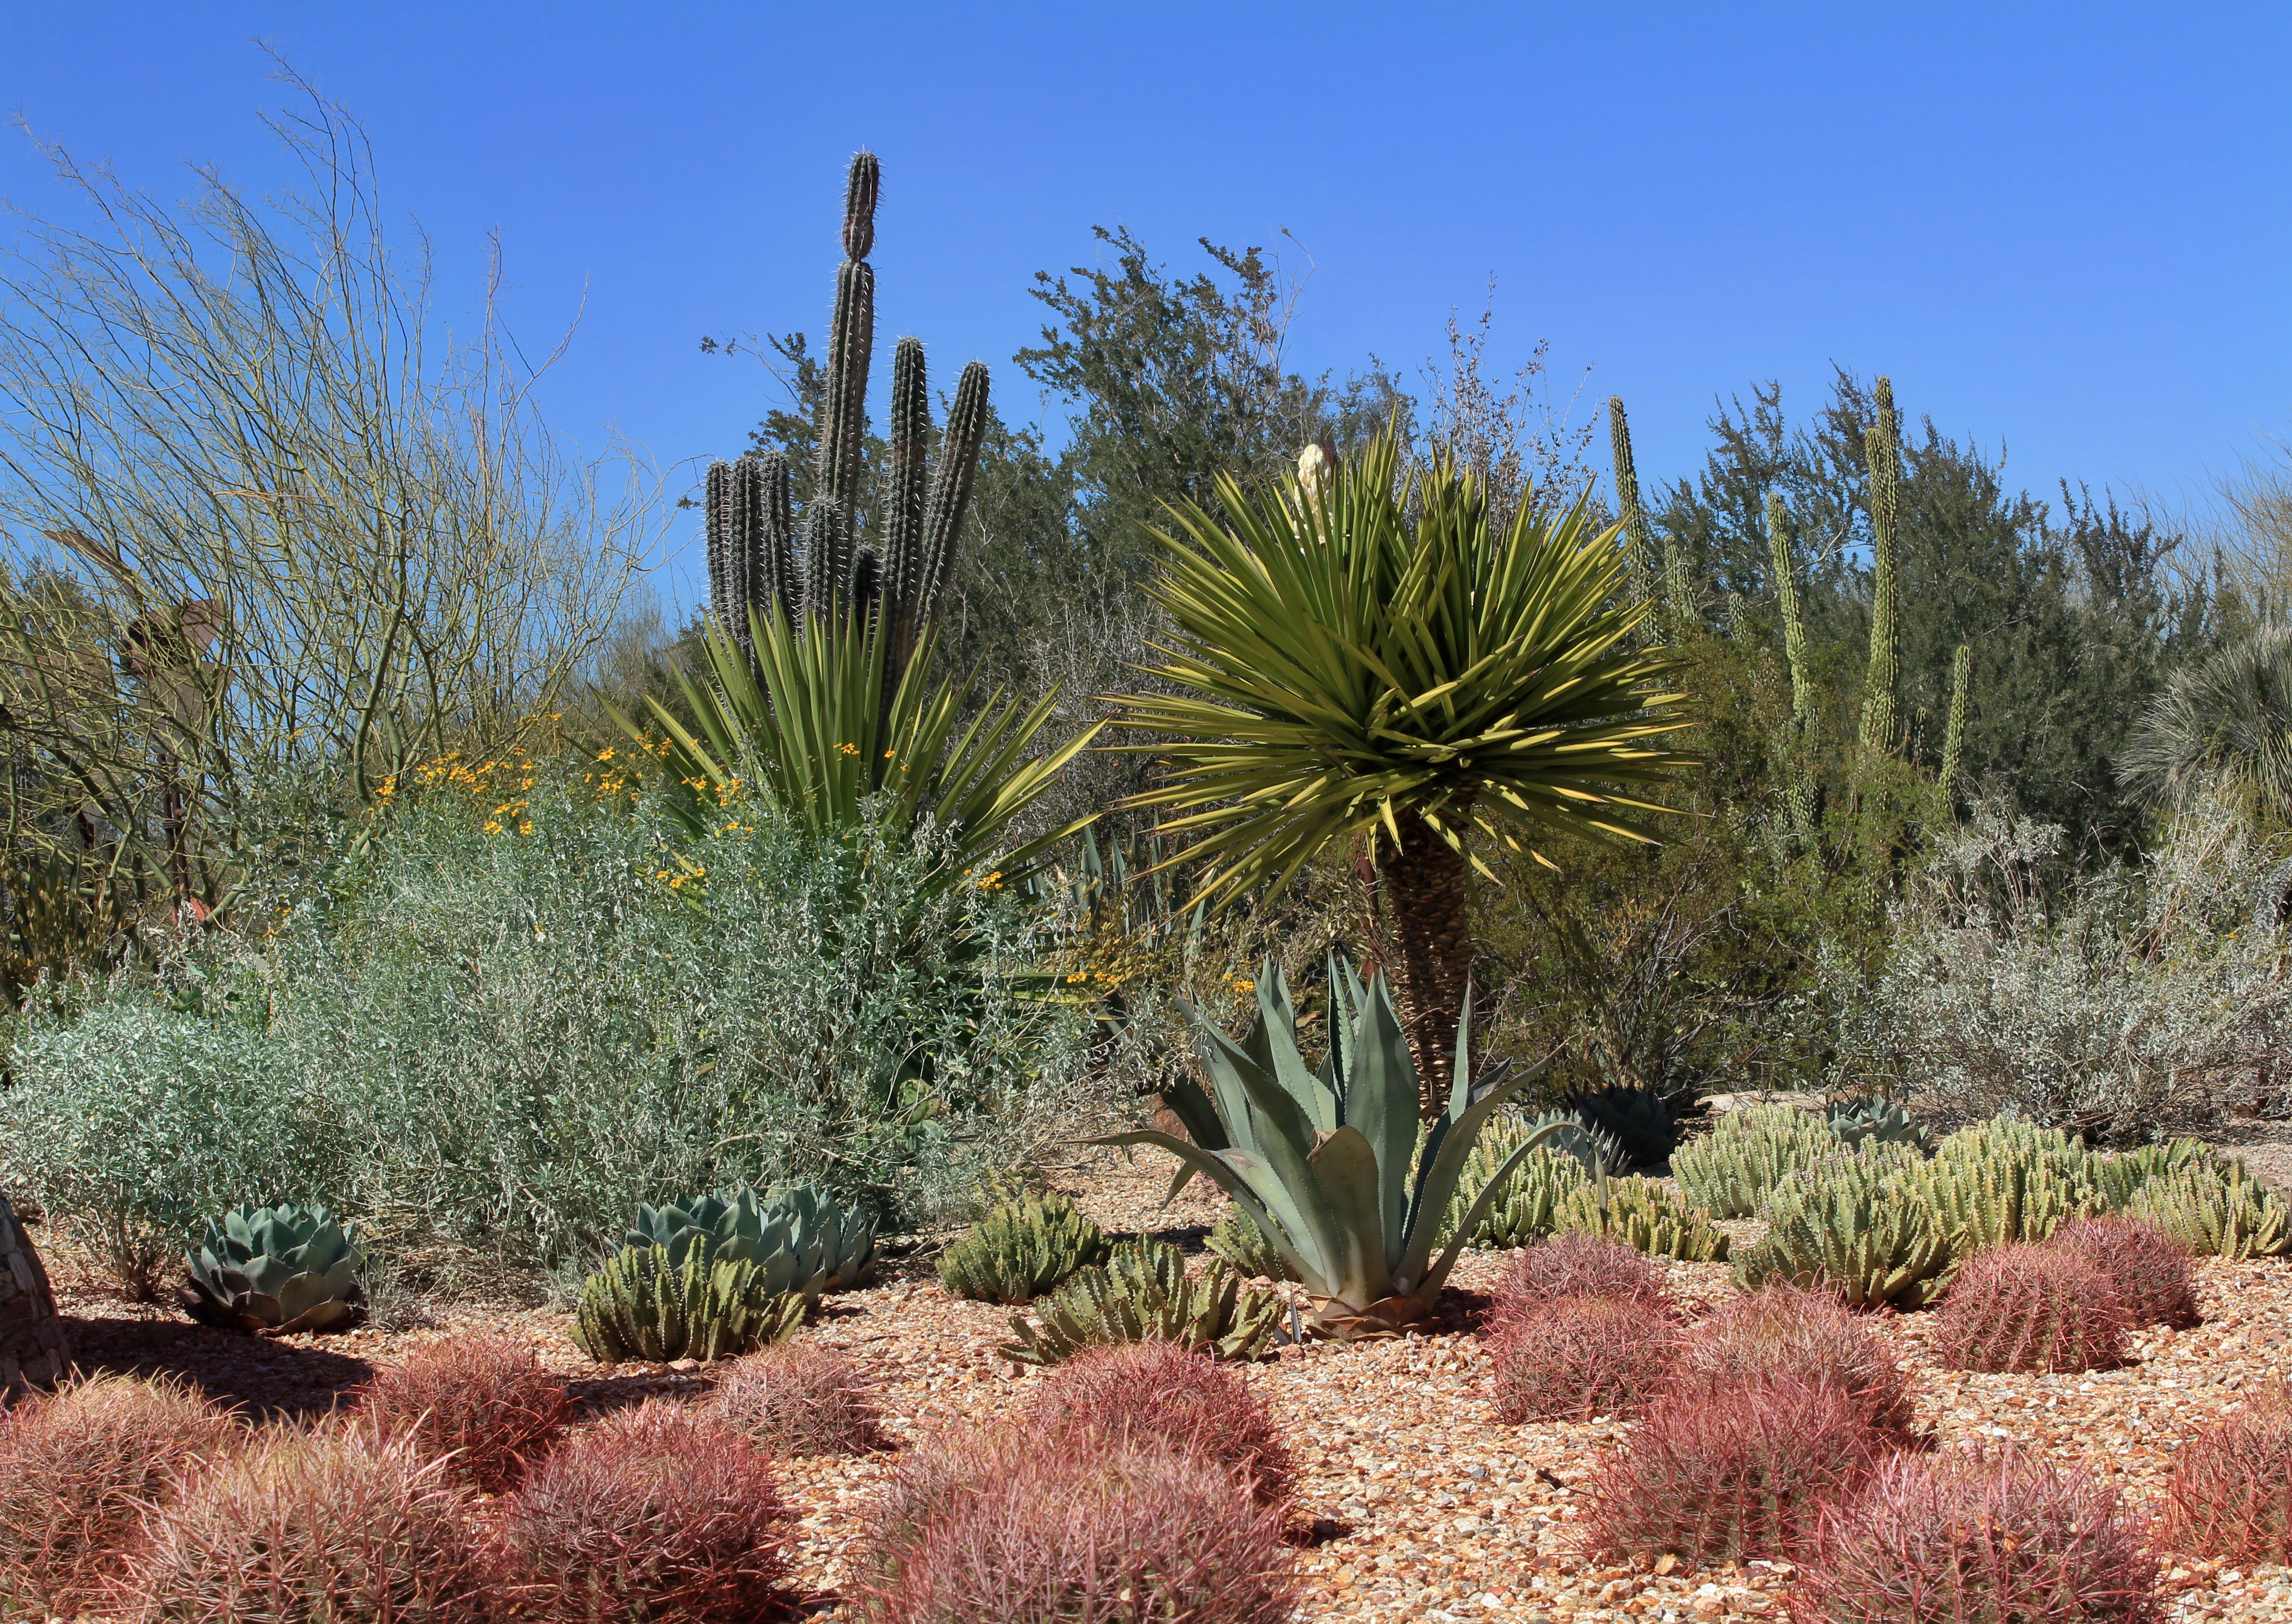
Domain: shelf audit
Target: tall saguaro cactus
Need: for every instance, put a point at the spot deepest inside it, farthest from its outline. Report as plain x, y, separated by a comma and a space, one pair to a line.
1798, 783
1953, 739
1883, 447
762, 558
1638, 554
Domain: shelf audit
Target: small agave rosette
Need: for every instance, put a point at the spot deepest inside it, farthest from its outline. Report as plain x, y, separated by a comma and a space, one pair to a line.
277, 1270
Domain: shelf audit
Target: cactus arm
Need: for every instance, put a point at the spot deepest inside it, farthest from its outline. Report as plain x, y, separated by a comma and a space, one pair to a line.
1953, 741
951, 483
851, 343
907, 457
1639, 557
1883, 453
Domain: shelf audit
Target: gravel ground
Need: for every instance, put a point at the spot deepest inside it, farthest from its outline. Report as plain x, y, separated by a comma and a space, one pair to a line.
1415, 1502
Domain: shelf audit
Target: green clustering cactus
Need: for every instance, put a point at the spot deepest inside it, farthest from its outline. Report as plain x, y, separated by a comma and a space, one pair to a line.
2217, 1212
1236, 1239
1142, 1293
2121, 1175
2006, 1181
1847, 1224
1021, 1250
1526, 1206
644, 1305
1645, 1215
1731, 1171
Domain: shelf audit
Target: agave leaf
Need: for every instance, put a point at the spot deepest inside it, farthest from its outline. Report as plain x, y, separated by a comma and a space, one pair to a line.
1264, 1198
1380, 1095
1436, 1184
1273, 1043
1346, 1163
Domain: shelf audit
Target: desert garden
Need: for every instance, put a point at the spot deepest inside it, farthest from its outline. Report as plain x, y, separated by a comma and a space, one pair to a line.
1503, 1048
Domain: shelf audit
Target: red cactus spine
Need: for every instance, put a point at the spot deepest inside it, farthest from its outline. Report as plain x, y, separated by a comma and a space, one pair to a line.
1784, 1333
2230, 1494
483, 1403
1575, 1264
2148, 1268
1158, 1390
1581, 1357
2031, 1308
2003, 1537
800, 1398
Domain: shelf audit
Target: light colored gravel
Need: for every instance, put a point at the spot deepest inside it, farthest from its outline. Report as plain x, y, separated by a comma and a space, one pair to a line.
1422, 1505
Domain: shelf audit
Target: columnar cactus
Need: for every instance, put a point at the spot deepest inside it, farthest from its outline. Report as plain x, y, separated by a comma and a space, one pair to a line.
1884, 448
762, 558
1953, 739
1639, 550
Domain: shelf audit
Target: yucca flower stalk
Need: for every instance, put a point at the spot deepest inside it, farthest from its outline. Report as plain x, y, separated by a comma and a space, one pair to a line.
1374, 661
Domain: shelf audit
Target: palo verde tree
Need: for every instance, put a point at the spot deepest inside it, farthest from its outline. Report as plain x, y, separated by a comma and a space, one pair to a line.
1361, 655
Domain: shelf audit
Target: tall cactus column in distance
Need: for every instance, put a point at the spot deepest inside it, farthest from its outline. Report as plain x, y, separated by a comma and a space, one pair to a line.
763, 557
33, 1352
1883, 447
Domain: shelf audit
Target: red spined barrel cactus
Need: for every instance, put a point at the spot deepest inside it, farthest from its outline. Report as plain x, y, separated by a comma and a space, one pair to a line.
2031, 1308
1580, 1357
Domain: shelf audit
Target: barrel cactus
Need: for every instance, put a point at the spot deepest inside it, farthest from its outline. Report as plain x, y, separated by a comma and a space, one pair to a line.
276, 1270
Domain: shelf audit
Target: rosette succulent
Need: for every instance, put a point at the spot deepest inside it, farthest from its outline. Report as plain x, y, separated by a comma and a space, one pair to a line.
276, 1270
801, 1239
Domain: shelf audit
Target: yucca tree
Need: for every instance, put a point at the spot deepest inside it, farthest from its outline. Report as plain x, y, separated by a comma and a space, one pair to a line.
2227, 718
1365, 656
806, 723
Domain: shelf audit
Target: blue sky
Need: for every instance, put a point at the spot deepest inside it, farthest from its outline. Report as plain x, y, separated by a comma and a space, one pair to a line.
2066, 229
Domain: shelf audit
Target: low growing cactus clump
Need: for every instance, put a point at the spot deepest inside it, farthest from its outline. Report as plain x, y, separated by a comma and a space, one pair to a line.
1730, 1476
2217, 1211
1158, 1391
2031, 1308
1022, 1250
79, 1468
657, 1512
482, 1404
1236, 1239
1789, 1336
800, 1398
2148, 1268
643, 1304
1144, 1293
1525, 1205
2008, 1538
2230, 1494
998, 1531
1732, 1170
2005, 1181
311, 1528
1581, 1357
1846, 1225
1646, 1216
1575, 1266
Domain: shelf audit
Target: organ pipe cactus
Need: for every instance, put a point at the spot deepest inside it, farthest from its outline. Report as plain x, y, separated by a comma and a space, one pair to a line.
276, 1270
1331, 1164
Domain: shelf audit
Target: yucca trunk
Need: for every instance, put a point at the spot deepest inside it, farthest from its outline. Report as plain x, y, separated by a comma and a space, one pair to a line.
32, 1349
1424, 885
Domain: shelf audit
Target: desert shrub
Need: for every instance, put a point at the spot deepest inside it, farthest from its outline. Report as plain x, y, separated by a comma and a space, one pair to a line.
1729, 1475
988, 1531
655, 1513
1575, 1264
508, 1040
2148, 1268
1578, 1357
314, 1527
2136, 1000
2033, 1308
2230, 1493
1785, 1335
481, 1403
1157, 1391
77, 1469
801, 1398
2009, 1539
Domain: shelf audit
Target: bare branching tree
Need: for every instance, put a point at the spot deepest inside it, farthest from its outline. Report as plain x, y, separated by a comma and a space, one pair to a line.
263, 515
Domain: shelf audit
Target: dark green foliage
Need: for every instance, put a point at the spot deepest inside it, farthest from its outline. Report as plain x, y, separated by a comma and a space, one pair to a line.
1144, 1293
641, 1305
1637, 1120
1021, 1250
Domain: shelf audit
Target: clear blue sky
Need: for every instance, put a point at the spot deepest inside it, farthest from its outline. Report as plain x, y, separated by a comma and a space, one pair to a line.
2064, 228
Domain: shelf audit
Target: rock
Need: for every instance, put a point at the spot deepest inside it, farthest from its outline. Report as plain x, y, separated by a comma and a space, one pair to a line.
32, 1348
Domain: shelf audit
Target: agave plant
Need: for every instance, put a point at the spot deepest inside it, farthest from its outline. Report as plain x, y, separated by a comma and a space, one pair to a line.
276, 1270
1371, 657
802, 1240
1332, 1164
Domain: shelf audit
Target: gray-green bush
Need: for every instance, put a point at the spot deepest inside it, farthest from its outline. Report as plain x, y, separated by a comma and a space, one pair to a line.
498, 1043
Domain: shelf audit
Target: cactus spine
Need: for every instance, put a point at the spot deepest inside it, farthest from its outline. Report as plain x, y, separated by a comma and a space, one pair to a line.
1883, 449
761, 557
1953, 739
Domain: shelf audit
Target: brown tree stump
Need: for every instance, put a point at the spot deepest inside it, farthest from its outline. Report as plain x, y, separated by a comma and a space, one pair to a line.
33, 1352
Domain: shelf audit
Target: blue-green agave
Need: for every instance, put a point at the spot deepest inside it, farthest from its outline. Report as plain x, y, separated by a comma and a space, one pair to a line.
801, 1239
1327, 1162
276, 1270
